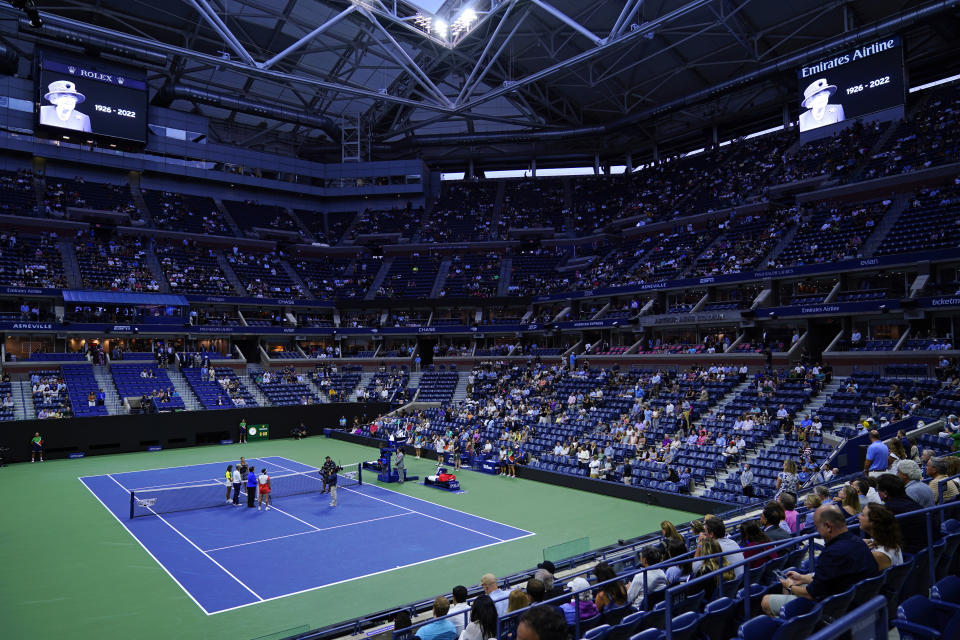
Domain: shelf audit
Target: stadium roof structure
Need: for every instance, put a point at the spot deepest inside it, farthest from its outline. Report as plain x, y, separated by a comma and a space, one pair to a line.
496, 81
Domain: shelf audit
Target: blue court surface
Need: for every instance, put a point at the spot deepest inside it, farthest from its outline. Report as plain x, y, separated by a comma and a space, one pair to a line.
227, 557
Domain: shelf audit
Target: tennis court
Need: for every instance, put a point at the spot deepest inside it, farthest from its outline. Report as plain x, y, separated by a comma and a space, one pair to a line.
226, 557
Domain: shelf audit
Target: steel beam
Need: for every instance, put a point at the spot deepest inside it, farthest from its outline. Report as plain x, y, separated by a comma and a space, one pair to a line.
409, 63
235, 65
646, 28
570, 22
220, 27
307, 38
475, 78
629, 11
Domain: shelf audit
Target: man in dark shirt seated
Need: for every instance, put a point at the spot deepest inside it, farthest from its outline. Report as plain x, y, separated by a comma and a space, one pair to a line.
893, 492
845, 561
771, 517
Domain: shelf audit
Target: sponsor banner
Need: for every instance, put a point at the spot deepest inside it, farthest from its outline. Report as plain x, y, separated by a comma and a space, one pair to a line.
260, 302
835, 308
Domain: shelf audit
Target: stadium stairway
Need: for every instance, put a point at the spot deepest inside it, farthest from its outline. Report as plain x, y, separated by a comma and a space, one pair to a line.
152, 263
249, 381
414, 383
231, 276
226, 217
782, 245
503, 285
315, 388
823, 396
304, 229
379, 278
443, 271
138, 200
71, 268
811, 408
40, 189
183, 388
365, 379
113, 403
23, 407
460, 393
294, 276
889, 220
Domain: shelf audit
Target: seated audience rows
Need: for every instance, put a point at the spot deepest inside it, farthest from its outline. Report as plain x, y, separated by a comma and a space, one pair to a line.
114, 264
464, 212
473, 275
31, 262
185, 213
190, 269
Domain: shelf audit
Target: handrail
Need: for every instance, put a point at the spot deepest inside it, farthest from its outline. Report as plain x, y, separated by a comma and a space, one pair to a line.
858, 618
794, 541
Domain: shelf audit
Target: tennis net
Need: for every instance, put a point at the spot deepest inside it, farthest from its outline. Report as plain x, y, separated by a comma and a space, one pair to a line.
151, 501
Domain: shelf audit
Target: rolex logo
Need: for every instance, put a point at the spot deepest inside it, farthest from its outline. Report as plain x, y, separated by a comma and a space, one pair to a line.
72, 70
119, 80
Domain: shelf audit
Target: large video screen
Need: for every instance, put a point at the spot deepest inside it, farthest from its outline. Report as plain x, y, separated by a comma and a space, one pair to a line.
77, 93
852, 84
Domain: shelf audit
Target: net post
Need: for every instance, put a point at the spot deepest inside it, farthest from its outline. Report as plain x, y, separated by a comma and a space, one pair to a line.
360, 474
132, 499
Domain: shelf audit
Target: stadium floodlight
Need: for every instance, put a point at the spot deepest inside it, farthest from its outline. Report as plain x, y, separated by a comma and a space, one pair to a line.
440, 28
468, 16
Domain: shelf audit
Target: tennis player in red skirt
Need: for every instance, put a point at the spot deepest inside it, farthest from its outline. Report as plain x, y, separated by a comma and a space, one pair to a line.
264, 481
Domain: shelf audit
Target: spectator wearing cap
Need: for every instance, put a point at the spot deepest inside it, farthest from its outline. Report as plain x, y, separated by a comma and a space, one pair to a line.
909, 472
546, 572
581, 601
500, 597
878, 455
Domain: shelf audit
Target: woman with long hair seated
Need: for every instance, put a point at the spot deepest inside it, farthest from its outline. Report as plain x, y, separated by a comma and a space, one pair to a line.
849, 501
669, 532
518, 600
709, 547
886, 541
613, 594
483, 620
752, 535
680, 572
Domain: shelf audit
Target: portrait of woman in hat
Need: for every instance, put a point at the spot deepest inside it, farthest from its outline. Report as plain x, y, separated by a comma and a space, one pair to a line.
64, 98
816, 98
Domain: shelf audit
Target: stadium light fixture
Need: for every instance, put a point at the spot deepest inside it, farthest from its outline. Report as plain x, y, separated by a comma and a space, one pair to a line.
440, 28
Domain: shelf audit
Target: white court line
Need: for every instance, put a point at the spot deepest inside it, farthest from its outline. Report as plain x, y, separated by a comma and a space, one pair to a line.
426, 515
144, 547
181, 466
193, 544
304, 533
375, 486
369, 575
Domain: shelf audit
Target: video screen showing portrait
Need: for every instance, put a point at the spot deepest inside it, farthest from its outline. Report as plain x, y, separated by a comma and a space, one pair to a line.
86, 95
851, 84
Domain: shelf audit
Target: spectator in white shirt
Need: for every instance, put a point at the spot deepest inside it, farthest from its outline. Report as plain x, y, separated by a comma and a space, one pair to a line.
656, 579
